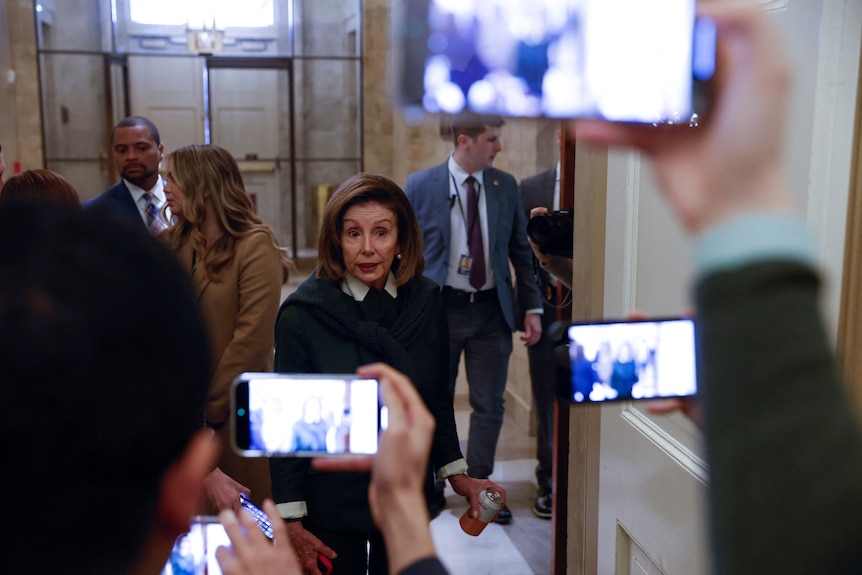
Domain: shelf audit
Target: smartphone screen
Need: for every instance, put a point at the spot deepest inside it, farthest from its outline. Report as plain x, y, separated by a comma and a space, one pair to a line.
630, 360
623, 60
194, 552
306, 415
260, 516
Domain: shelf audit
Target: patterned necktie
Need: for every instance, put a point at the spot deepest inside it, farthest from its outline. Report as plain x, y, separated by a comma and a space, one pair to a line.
474, 239
154, 220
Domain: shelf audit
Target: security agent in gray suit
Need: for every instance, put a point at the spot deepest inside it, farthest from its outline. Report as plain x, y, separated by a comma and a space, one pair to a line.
473, 224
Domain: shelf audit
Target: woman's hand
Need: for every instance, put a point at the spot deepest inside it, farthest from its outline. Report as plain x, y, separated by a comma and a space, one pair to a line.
250, 552
223, 492
465, 485
306, 545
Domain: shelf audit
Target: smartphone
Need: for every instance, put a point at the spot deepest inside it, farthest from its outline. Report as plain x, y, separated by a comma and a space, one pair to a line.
622, 60
194, 552
260, 516
302, 415
629, 360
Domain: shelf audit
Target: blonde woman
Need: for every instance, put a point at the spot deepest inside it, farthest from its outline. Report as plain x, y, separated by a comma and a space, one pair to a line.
237, 269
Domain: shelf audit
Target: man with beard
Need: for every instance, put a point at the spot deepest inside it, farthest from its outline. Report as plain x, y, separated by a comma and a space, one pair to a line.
138, 151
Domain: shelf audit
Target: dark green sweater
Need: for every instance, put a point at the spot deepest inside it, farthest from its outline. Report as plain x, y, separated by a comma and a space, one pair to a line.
784, 446
320, 329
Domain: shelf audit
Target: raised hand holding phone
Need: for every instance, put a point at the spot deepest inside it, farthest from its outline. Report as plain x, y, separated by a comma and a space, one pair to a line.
731, 164
630, 360
251, 553
302, 415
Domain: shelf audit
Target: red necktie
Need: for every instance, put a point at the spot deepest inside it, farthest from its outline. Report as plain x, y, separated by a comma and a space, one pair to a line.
474, 236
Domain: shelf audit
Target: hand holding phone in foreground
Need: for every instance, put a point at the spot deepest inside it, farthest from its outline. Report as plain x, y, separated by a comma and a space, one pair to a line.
251, 553
731, 164
688, 406
398, 470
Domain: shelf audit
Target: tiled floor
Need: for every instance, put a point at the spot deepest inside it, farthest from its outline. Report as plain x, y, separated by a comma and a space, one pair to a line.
521, 548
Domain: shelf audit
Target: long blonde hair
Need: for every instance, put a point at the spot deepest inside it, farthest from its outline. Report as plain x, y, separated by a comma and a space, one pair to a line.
209, 172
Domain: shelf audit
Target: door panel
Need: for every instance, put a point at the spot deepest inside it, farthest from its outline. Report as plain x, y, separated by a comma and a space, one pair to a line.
247, 111
652, 478
244, 111
169, 91
651, 475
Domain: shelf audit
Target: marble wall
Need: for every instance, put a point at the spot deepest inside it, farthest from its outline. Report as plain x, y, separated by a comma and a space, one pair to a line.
20, 118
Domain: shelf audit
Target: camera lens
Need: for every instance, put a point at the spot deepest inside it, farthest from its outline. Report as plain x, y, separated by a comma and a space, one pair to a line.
553, 232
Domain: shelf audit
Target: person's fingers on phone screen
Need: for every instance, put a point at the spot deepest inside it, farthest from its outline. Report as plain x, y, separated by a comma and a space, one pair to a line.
227, 561
253, 532
237, 538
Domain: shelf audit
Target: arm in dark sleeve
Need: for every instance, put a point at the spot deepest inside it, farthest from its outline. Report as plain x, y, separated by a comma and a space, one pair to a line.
289, 474
784, 446
429, 566
445, 447
521, 255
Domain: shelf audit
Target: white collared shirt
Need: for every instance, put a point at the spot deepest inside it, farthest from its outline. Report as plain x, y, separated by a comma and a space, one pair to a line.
158, 192
357, 289
458, 227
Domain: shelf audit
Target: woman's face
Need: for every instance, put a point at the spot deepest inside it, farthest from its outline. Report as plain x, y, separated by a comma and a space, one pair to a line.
369, 242
173, 193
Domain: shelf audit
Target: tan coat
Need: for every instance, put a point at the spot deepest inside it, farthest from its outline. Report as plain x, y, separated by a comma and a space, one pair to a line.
239, 311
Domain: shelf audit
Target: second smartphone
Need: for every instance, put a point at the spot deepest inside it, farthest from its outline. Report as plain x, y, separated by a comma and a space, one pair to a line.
622, 60
627, 360
302, 415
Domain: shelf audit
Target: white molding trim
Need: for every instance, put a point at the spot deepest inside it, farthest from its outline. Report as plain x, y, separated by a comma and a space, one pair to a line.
770, 5
630, 266
675, 450
832, 141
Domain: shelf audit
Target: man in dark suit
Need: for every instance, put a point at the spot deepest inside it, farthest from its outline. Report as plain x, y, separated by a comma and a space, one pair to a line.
542, 190
138, 151
473, 224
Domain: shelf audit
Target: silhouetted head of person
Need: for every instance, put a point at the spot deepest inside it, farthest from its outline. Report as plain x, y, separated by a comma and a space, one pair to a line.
40, 186
104, 368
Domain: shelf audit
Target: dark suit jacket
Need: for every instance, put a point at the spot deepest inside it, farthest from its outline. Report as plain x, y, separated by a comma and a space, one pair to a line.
430, 566
428, 191
783, 443
116, 199
538, 192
